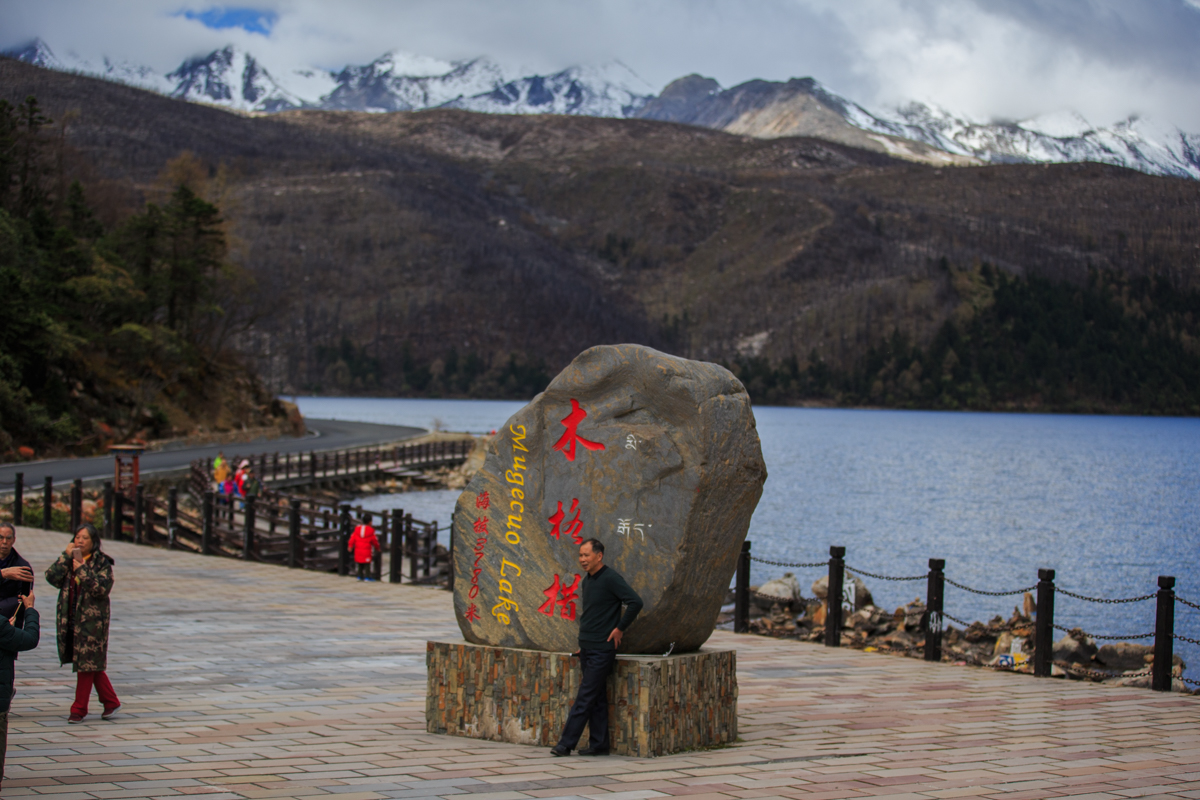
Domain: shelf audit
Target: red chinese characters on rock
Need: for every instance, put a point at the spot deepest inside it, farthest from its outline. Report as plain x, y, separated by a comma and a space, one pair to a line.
472, 613
480, 527
566, 443
574, 526
562, 596
482, 500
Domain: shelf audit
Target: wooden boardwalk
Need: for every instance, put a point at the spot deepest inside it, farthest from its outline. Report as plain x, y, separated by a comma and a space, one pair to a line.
245, 680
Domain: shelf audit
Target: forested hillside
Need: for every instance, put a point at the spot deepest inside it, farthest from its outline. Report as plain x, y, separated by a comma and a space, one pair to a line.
447, 253
111, 332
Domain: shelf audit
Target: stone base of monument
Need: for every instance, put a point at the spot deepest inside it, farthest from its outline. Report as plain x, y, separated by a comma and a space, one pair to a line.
657, 705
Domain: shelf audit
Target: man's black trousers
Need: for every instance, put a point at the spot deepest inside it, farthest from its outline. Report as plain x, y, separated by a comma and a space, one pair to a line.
591, 704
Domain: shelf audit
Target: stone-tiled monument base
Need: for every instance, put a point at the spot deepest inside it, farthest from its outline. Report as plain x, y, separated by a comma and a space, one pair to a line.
657, 705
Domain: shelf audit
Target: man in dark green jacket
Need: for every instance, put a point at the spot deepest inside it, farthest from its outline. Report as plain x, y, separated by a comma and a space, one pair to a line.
12, 641
601, 626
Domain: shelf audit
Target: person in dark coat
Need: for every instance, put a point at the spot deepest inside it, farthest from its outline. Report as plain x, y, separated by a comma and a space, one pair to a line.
16, 574
14, 639
601, 627
84, 577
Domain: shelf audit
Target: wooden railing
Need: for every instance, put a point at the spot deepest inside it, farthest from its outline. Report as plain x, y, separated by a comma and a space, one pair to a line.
286, 470
299, 532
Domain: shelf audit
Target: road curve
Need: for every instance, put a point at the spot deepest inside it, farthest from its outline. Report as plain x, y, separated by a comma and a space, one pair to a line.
324, 434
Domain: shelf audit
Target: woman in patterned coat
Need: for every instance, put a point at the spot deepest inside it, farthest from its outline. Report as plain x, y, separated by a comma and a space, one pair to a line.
84, 577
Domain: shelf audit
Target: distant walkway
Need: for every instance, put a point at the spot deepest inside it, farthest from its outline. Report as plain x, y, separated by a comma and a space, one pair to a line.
243, 680
330, 435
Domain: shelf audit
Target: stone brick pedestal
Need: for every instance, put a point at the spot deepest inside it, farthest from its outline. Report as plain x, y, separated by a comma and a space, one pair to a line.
657, 705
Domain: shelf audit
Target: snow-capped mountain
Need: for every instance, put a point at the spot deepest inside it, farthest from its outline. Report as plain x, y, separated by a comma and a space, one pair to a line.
1136, 142
803, 107
396, 81
610, 90
400, 81
231, 77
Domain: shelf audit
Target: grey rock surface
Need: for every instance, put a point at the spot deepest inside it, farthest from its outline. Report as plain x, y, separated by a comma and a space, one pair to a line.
862, 595
656, 456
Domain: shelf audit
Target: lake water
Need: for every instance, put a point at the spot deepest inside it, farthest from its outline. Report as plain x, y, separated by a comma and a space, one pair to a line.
1109, 502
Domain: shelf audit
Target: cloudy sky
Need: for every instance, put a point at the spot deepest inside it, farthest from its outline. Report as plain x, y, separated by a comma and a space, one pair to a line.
989, 59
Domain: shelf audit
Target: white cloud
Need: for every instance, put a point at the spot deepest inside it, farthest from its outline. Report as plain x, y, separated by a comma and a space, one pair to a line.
1105, 59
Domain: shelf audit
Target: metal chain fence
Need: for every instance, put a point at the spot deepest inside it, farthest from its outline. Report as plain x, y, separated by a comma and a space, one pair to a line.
1111, 638
990, 594
1060, 590
787, 564
858, 571
1188, 602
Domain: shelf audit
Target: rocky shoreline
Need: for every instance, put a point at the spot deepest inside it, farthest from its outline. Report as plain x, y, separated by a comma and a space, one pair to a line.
779, 609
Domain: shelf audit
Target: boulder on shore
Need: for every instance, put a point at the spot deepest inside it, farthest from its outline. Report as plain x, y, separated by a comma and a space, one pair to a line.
657, 457
784, 590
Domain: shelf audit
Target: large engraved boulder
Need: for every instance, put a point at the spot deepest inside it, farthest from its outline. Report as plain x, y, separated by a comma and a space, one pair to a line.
657, 457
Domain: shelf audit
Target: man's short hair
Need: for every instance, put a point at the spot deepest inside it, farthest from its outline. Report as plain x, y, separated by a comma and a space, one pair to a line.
597, 547
10, 527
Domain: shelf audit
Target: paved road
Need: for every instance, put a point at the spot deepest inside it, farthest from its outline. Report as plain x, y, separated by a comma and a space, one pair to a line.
324, 434
243, 680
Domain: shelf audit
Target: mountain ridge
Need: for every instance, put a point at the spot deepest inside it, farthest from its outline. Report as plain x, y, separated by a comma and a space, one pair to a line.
397, 81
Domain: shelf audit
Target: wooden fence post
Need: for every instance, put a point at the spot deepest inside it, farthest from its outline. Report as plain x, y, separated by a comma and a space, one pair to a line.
410, 547
934, 598
294, 533
108, 510
1043, 631
248, 534
344, 541
172, 515
833, 597
206, 524
139, 505
118, 527
396, 546
1164, 635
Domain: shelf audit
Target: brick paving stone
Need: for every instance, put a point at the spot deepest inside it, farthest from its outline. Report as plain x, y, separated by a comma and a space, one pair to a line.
253, 681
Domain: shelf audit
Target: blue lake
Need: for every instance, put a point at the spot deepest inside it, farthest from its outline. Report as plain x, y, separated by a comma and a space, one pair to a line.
1110, 503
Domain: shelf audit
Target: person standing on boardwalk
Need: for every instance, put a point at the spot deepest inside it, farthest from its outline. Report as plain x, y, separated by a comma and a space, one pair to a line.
362, 545
16, 574
14, 639
83, 575
220, 470
601, 626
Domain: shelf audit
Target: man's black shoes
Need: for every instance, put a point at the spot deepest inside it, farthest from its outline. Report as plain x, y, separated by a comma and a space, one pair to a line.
594, 751
559, 750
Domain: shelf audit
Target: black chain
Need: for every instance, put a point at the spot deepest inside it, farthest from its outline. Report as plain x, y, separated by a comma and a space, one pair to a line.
991, 594
1098, 636
858, 571
1105, 600
1077, 670
1188, 681
786, 564
1183, 638
1187, 602
962, 622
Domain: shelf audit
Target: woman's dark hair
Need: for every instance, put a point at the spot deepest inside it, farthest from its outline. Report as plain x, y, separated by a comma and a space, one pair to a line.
92, 534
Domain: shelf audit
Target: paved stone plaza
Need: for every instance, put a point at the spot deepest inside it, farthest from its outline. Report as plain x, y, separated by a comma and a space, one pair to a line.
250, 681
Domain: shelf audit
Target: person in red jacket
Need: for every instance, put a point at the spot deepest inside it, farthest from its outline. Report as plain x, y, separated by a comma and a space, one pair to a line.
363, 545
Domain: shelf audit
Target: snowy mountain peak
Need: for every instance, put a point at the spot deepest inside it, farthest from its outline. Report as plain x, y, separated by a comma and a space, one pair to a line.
230, 77
35, 52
